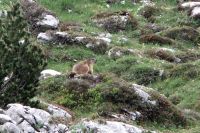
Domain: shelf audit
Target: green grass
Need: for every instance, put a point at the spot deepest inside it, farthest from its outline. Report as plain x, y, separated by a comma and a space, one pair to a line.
82, 11
177, 81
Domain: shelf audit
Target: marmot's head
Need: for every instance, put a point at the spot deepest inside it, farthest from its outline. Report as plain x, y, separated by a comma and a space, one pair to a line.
91, 61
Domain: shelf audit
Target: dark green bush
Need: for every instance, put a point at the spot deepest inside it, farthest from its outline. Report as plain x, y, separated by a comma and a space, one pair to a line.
20, 60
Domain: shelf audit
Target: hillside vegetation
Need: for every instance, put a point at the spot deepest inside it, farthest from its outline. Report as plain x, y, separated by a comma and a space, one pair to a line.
158, 48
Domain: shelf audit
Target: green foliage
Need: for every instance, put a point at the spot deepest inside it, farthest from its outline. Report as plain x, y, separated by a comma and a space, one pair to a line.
181, 83
67, 92
20, 60
131, 69
143, 75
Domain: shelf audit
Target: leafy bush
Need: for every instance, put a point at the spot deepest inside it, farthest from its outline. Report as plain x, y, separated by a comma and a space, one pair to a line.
71, 93
20, 60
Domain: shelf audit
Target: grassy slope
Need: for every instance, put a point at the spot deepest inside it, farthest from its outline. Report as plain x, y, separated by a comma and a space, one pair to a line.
188, 89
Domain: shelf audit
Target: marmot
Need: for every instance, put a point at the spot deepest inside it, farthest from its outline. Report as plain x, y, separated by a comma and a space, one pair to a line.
83, 67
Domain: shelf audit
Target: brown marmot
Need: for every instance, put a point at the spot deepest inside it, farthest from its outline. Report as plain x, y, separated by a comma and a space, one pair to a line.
83, 67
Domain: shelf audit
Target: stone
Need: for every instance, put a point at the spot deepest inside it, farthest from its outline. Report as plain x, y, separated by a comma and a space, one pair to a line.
107, 40
48, 21
1, 111
40, 115
3, 13
188, 5
58, 112
195, 12
144, 95
49, 73
31, 120
111, 127
14, 111
4, 119
9, 128
27, 127
62, 128
44, 38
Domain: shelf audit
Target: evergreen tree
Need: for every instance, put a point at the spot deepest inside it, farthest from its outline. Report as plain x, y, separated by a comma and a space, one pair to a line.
19, 60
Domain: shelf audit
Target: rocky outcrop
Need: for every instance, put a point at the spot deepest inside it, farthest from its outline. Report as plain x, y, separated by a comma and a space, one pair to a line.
39, 18
18, 118
48, 29
97, 44
89, 126
116, 21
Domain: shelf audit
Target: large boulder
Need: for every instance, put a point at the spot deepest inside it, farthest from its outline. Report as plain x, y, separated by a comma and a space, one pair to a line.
18, 118
102, 126
116, 21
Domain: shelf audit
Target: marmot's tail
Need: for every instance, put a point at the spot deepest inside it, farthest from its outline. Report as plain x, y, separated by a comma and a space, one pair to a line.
72, 74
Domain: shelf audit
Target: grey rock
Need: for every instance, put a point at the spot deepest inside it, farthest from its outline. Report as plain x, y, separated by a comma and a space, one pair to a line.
58, 112
3, 13
110, 127
32, 120
44, 37
48, 21
4, 119
62, 128
1, 111
49, 73
9, 128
